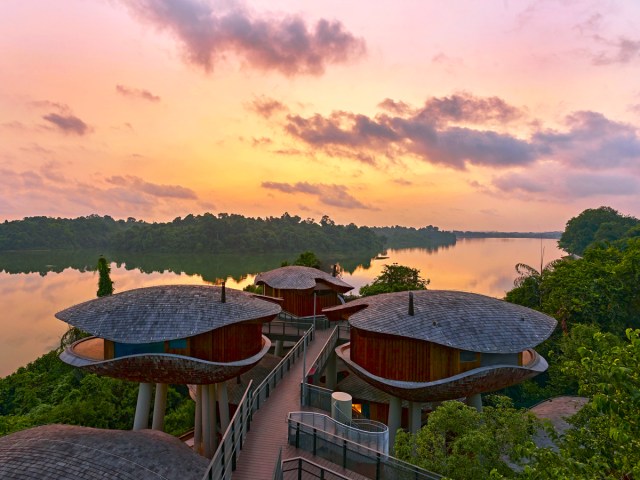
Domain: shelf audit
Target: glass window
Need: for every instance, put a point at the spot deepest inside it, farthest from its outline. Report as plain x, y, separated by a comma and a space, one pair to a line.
467, 356
179, 344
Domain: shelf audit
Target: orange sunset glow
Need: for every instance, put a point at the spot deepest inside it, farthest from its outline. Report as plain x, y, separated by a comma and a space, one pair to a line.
497, 115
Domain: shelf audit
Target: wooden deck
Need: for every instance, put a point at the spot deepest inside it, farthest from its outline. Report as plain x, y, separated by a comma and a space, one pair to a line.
269, 426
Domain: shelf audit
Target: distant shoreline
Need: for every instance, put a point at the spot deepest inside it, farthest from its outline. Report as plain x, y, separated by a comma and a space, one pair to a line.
541, 235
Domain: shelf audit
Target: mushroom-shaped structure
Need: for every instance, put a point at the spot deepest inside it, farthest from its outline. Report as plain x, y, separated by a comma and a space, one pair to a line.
432, 345
66, 451
170, 334
181, 334
299, 286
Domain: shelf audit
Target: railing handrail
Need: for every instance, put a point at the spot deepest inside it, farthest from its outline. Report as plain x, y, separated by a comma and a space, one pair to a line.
322, 469
319, 358
332, 421
366, 451
250, 403
220, 450
310, 331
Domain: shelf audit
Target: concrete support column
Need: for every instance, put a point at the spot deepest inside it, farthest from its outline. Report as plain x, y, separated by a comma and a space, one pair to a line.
213, 417
330, 372
279, 350
206, 422
395, 417
159, 406
197, 424
475, 401
415, 417
141, 419
223, 404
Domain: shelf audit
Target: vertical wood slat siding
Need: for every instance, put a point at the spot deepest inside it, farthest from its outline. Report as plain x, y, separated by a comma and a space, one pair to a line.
300, 302
228, 344
109, 349
406, 359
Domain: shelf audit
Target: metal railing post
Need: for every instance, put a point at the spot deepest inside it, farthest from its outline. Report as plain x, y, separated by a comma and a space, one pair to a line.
315, 436
297, 434
344, 454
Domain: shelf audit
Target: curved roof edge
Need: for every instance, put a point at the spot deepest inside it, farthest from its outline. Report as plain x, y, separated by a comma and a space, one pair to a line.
296, 277
463, 320
166, 312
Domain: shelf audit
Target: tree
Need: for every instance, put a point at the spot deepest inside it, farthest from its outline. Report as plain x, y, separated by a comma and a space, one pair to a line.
604, 442
105, 284
529, 283
395, 278
594, 225
308, 259
460, 442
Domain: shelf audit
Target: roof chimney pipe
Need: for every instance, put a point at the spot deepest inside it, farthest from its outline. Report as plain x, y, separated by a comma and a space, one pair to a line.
411, 311
223, 297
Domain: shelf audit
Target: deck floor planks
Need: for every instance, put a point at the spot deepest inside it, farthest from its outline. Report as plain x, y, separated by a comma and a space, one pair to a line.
269, 426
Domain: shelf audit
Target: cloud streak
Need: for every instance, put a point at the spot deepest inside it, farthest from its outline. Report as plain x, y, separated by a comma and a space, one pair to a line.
137, 93
437, 132
154, 189
463, 130
210, 31
328, 194
67, 123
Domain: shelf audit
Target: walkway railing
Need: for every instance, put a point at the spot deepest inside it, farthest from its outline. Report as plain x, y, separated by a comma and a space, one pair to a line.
299, 467
279, 327
224, 459
322, 322
368, 434
317, 397
315, 369
352, 456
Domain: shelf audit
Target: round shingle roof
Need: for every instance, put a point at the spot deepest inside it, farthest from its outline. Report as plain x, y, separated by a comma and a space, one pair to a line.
462, 320
165, 312
295, 277
66, 451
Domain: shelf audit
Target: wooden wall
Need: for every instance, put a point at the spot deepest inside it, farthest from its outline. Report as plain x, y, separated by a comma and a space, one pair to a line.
406, 359
300, 302
228, 344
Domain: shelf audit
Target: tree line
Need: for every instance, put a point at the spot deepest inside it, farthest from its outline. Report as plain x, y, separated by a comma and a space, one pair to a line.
208, 233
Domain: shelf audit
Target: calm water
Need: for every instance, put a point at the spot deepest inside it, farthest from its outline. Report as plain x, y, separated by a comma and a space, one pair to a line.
29, 301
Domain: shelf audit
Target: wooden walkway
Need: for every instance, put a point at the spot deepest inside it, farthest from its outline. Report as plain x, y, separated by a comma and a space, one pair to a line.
269, 426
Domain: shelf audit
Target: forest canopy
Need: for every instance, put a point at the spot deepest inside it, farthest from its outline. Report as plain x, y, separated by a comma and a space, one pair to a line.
208, 233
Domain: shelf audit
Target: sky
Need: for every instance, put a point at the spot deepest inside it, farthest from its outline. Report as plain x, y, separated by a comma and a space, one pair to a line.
494, 115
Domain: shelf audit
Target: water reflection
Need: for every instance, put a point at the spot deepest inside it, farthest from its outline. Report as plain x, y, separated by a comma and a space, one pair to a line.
211, 267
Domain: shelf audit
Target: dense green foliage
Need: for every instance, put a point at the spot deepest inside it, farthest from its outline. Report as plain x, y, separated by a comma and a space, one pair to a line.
50, 391
34, 233
428, 237
595, 225
306, 259
232, 233
206, 233
395, 278
604, 442
462, 443
600, 288
105, 284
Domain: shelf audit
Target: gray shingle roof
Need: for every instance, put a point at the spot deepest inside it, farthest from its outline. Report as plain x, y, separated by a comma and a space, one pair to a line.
81, 453
463, 320
165, 312
296, 277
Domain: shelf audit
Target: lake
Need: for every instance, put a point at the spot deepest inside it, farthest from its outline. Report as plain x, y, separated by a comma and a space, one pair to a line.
36, 285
